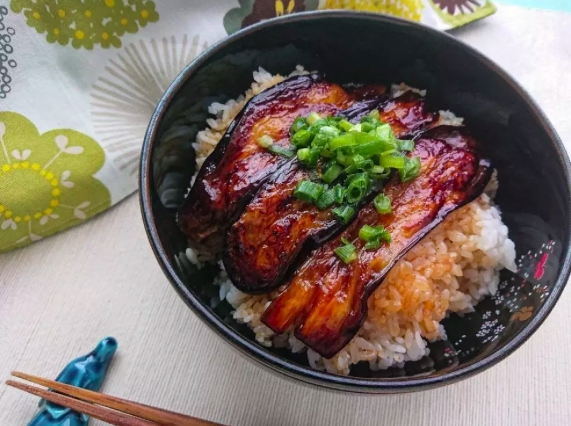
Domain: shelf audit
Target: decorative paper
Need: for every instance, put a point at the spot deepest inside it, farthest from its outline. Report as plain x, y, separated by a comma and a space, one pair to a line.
79, 80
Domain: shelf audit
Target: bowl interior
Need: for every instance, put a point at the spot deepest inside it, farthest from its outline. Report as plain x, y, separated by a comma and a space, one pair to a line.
532, 172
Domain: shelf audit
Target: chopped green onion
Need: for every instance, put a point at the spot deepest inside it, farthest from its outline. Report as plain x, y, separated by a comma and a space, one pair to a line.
366, 153
315, 128
342, 141
329, 131
347, 253
350, 169
326, 152
339, 193
344, 159
333, 121
382, 204
373, 236
371, 245
356, 128
312, 118
345, 125
308, 156
345, 241
301, 138
280, 150
268, 143
357, 187
298, 124
380, 175
303, 154
375, 114
392, 161
343, 213
370, 119
313, 157
265, 141
385, 132
308, 191
365, 165
389, 152
332, 173
357, 158
320, 140
369, 233
359, 163
369, 123
405, 145
363, 138
376, 170
367, 126
327, 199
410, 170
373, 147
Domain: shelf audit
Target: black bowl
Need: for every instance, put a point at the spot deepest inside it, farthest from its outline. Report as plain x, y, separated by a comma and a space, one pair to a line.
534, 175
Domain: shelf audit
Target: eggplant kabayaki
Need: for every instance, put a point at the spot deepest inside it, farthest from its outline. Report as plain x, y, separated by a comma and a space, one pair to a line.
318, 190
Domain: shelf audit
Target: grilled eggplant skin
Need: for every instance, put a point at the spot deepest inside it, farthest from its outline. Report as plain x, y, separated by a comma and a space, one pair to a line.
276, 230
326, 299
238, 166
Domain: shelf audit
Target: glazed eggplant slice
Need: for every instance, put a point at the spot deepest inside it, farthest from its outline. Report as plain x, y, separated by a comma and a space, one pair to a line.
276, 229
407, 115
238, 166
272, 231
326, 300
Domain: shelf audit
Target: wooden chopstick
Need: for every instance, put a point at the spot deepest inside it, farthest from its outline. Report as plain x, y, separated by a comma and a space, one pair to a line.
113, 417
128, 413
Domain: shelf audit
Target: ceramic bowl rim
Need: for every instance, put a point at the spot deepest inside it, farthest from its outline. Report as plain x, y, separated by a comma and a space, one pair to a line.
254, 351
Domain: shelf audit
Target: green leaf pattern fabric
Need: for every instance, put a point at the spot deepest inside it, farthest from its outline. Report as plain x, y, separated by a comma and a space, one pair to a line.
86, 23
46, 180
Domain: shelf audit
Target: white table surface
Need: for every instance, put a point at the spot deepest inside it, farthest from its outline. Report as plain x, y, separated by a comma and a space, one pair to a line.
60, 296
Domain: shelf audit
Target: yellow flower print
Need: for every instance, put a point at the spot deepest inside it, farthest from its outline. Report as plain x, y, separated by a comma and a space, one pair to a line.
37, 17
408, 9
146, 13
281, 9
46, 180
125, 20
86, 23
106, 37
82, 36
252, 11
58, 34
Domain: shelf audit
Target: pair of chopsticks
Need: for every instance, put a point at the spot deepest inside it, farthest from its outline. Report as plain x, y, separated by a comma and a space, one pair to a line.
110, 409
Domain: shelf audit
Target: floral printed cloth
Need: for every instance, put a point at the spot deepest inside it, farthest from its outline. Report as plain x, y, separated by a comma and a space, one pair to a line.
79, 80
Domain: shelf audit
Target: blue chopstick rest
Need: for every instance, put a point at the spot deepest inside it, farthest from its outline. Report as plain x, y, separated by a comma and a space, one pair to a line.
87, 372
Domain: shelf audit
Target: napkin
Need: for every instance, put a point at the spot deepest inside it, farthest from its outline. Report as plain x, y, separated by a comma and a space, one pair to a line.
79, 80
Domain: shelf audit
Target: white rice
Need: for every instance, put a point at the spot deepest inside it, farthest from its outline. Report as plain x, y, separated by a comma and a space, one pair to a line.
450, 270
448, 118
400, 89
